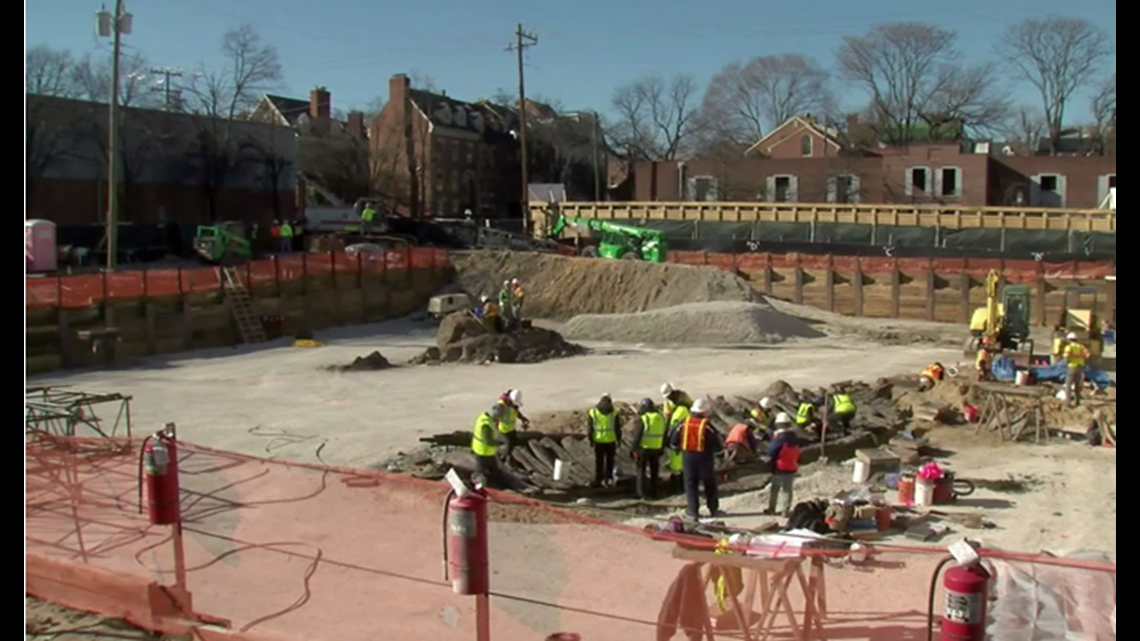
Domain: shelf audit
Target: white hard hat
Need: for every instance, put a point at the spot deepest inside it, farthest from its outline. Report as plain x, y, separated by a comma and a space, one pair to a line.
666, 389
506, 282
516, 397
783, 418
1071, 337
766, 403
700, 406
514, 281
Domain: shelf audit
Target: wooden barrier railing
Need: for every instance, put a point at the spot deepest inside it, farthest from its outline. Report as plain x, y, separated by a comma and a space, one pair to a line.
939, 216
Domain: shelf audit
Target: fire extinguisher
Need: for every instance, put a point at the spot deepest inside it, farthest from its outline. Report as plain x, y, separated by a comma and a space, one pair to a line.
466, 561
967, 593
158, 472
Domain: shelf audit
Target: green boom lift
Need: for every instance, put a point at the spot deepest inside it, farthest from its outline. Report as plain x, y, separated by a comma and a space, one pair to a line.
223, 243
618, 241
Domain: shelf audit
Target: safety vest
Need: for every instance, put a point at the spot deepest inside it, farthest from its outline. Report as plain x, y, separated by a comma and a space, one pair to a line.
679, 415
738, 434
759, 416
518, 293
933, 372
670, 407
505, 298
286, 231
843, 404
676, 462
693, 434
368, 214
652, 431
1075, 355
510, 418
484, 429
804, 413
603, 426
788, 460
275, 231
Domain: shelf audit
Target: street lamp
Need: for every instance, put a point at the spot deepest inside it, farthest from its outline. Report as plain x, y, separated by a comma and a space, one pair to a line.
113, 25
594, 142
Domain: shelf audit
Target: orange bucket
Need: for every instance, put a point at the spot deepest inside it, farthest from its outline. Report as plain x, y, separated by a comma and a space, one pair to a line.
906, 490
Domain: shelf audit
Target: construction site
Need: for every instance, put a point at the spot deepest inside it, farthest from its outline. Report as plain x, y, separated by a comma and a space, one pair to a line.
320, 423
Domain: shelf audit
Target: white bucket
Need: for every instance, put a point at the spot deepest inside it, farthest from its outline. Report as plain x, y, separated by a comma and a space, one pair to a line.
559, 469
1021, 378
924, 493
862, 472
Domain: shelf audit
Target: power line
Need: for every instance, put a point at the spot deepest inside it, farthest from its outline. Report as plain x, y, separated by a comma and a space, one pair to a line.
523, 41
167, 73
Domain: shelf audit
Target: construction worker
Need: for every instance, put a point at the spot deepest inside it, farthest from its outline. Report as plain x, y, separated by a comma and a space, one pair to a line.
805, 413
982, 361
275, 235
676, 410
931, 374
761, 414
605, 433
367, 216
485, 448
741, 443
1075, 355
784, 457
649, 443
699, 443
517, 295
491, 319
511, 402
841, 410
286, 237
506, 305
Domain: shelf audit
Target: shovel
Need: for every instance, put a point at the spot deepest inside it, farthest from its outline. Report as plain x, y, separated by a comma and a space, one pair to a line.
823, 444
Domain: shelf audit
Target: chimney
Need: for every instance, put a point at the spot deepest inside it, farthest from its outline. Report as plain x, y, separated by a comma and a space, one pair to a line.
809, 118
398, 86
320, 108
356, 124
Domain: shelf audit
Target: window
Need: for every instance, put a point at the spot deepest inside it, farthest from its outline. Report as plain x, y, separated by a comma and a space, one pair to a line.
470, 149
950, 182
846, 189
805, 145
918, 179
702, 188
783, 189
455, 150
1112, 181
1049, 183
1048, 190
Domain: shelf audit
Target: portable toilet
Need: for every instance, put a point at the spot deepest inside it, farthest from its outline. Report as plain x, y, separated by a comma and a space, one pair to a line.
40, 250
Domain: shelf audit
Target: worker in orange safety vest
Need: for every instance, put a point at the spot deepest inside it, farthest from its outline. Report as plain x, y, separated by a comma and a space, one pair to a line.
698, 442
930, 376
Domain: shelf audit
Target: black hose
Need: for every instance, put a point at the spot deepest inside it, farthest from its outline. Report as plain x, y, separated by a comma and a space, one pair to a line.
446, 502
930, 598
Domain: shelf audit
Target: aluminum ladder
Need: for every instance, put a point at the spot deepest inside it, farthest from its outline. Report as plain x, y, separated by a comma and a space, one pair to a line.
249, 325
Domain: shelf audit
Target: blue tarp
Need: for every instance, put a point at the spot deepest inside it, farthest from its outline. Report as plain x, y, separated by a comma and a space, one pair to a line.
1004, 369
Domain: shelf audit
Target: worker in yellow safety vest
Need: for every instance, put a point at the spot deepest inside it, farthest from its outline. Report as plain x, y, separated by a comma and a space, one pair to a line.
676, 410
931, 374
605, 433
761, 416
367, 215
511, 402
485, 449
805, 413
286, 238
1075, 355
649, 443
842, 410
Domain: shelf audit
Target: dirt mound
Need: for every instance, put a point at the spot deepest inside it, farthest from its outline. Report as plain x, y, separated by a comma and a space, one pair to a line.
722, 322
462, 338
372, 362
560, 287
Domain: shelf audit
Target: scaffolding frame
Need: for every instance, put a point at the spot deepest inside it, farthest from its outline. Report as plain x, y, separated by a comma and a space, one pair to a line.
62, 411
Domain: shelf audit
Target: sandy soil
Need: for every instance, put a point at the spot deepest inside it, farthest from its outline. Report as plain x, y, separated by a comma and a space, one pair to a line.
45, 620
278, 401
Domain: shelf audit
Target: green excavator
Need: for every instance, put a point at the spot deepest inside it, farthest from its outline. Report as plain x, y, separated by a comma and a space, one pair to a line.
223, 243
617, 240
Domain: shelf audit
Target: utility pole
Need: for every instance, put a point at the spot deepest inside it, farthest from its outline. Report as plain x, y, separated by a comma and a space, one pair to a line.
114, 25
597, 174
167, 73
523, 40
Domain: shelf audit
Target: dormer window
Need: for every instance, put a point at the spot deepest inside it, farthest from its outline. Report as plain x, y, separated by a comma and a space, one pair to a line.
477, 121
443, 114
460, 117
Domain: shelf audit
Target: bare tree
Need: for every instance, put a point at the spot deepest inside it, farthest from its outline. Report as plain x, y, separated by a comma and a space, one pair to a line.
967, 98
49, 72
1104, 113
745, 100
92, 80
1057, 56
221, 96
656, 119
1025, 129
912, 74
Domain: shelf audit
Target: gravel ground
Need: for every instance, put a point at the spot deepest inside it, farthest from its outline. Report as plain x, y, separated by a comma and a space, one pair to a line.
714, 323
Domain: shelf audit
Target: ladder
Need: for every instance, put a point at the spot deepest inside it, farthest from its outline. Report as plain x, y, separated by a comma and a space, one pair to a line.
249, 325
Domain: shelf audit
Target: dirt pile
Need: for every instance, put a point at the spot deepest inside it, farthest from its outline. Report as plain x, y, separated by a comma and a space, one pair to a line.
373, 362
463, 339
560, 287
721, 322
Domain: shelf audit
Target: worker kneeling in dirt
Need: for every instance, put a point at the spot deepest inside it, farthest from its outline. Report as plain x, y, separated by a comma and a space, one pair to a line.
605, 433
930, 376
759, 416
699, 443
805, 413
649, 441
511, 402
741, 444
784, 457
485, 448
841, 412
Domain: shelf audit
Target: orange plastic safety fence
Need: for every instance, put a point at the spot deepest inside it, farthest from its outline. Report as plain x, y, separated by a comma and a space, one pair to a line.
320, 552
83, 290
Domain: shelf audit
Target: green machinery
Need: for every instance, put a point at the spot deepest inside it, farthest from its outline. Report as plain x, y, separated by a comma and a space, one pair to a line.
618, 240
222, 243
1004, 320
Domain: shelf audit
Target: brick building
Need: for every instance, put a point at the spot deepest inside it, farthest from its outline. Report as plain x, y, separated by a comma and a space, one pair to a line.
802, 161
174, 167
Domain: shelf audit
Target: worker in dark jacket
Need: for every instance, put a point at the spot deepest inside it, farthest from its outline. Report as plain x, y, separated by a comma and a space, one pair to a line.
698, 442
784, 457
605, 433
648, 444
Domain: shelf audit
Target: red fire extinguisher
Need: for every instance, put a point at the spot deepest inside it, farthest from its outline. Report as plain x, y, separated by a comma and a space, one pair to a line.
967, 590
158, 472
466, 560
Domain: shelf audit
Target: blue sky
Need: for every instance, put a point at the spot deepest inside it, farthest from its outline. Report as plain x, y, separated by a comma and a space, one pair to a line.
586, 48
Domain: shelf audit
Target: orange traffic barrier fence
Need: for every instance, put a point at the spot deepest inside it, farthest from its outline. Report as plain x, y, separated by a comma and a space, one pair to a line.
313, 551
